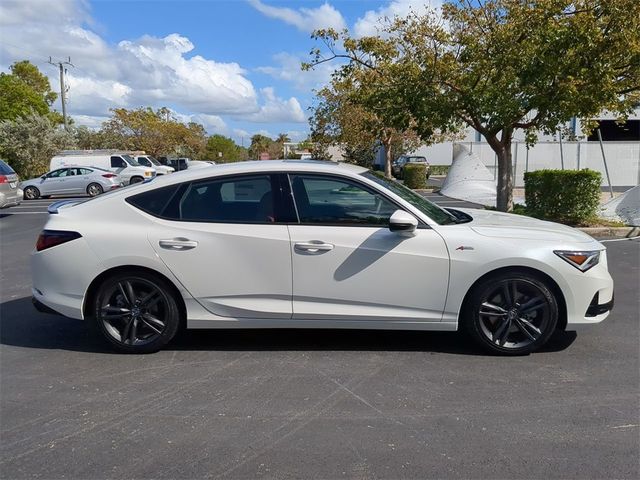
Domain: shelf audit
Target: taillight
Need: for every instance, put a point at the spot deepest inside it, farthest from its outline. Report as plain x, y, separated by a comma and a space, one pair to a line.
109, 175
51, 238
3, 179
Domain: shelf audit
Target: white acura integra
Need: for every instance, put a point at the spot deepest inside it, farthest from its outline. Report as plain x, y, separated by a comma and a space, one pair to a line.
310, 244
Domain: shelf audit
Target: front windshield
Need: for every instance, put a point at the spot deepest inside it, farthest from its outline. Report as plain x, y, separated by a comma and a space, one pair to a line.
154, 161
434, 212
130, 160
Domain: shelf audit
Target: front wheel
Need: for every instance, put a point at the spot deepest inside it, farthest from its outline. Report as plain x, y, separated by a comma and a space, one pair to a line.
511, 314
135, 313
135, 180
31, 193
94, 189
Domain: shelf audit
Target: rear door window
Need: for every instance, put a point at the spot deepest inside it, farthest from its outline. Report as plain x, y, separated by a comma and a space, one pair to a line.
241, 199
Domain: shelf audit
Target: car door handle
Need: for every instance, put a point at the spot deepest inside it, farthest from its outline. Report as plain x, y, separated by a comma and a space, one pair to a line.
313, 246
178, 243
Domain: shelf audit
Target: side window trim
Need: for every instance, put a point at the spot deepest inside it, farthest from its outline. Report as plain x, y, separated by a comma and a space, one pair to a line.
421, 224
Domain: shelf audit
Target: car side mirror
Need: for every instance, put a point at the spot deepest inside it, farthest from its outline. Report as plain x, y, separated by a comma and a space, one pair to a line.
402, 222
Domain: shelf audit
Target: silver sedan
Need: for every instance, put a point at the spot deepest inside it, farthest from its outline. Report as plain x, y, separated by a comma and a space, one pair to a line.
71, 181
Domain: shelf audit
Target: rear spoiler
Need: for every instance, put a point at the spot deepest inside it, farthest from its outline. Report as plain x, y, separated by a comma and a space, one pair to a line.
55, 207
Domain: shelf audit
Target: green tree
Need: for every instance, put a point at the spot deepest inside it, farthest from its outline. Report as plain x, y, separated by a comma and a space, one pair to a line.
29, 142
26, 90
360, 107
156, 132
503, 65
223, 149
260, 144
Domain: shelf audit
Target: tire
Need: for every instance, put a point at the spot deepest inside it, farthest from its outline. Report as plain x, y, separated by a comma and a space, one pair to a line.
511, 313
94, 189
31, 193
135, 180
135, 312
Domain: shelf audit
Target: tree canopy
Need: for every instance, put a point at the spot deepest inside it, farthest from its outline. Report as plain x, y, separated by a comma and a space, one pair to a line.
26, 90
29, 142
502, 65
224, 150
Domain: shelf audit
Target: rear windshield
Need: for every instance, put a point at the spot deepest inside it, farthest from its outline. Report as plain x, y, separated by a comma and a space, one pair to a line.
6, 169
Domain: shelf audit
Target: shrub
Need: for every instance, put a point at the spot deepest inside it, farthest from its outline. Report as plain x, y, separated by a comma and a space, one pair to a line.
439, 169
567, 196
415, 175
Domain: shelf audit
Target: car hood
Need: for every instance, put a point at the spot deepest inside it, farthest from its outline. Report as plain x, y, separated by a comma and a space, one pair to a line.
490, 223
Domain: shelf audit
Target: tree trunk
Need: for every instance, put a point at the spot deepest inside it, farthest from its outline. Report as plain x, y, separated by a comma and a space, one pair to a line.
504, 192
387, 158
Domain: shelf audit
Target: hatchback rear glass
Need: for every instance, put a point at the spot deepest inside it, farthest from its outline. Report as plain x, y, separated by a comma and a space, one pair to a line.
6, 169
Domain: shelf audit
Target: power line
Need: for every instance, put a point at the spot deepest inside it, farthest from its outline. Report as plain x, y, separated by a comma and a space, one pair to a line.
63, 89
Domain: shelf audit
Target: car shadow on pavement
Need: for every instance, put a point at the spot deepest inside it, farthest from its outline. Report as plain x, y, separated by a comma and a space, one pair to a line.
22, 326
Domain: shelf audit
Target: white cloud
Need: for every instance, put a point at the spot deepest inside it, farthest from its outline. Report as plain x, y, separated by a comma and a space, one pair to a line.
288, 69
305, 19
373, 21
146, 71
275, 109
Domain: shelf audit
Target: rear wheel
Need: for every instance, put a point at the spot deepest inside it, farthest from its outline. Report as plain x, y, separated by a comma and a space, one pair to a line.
135, 180
511, 314
94, 189
135, 313
31, 193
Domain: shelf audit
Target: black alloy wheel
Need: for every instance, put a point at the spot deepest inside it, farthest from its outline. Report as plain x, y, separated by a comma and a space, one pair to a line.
136, 313
512, 314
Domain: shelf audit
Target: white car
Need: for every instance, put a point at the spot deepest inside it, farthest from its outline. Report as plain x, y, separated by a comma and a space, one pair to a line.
149, 161
311, 244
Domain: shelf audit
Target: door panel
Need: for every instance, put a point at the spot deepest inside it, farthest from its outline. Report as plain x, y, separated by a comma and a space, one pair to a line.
235, 270
369, 274
225, 245
347, 264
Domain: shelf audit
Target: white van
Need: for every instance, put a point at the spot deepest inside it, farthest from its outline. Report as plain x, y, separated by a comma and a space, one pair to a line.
123, 164
149, 161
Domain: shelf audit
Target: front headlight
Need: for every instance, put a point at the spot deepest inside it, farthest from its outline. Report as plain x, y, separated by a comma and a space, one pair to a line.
583, 261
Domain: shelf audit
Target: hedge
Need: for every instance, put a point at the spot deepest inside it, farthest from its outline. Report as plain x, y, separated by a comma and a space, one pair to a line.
415, 175
567, 196
439, 169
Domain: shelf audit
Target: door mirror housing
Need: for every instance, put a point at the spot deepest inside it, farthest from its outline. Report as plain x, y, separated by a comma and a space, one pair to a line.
402, 222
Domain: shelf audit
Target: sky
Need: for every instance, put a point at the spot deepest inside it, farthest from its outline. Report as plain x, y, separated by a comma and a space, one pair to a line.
231, 65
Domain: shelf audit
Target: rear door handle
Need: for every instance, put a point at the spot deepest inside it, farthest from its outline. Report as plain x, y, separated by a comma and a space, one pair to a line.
314, 246
178, 243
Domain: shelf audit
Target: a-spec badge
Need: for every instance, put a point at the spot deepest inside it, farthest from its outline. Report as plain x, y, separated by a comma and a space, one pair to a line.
463, 247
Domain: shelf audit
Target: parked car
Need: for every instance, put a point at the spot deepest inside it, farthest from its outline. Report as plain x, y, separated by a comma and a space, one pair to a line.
71, 181
123, 164
193, 164
398, 165
178, 163
10, 193
311, 244
149, 161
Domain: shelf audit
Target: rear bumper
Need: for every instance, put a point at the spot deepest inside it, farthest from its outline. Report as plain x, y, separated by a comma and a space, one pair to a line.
11, 199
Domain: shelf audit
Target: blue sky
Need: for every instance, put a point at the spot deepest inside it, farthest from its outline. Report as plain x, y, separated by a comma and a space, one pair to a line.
232, 65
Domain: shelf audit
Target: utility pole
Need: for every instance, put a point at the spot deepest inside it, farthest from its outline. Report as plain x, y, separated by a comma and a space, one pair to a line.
63, 89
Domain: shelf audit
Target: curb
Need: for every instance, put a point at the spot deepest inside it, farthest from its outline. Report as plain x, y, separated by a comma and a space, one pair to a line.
618, 232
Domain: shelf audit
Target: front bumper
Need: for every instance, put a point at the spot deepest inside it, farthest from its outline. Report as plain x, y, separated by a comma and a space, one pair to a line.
596, 308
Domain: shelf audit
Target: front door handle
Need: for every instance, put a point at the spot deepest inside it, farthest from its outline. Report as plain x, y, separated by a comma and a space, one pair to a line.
314, 246
179, 243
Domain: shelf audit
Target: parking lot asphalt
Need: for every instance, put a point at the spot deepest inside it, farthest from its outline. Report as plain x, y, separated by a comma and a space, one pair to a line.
312, 404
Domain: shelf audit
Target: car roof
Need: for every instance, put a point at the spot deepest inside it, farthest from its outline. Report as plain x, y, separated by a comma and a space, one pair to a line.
319, 166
